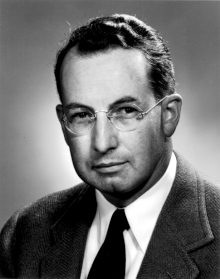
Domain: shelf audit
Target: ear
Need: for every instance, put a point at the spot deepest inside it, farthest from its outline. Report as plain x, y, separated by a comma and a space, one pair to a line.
59, 110
171, 108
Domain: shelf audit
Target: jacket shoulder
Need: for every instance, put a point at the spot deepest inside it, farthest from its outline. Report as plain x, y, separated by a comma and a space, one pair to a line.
212, 202
207, 190
199, 231
21, 228
211, 192
46, 209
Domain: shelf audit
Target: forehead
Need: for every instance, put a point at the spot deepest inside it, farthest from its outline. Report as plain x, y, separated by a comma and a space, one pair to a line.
103, 77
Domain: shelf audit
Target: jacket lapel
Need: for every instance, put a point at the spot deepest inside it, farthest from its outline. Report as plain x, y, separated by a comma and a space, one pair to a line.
68, 237
166, 257
182, 228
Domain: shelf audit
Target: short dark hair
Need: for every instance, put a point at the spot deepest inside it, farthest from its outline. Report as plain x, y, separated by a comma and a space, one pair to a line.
127, 32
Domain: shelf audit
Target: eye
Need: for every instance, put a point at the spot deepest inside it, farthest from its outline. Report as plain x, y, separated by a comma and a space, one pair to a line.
81, 115
125, 111
78, 115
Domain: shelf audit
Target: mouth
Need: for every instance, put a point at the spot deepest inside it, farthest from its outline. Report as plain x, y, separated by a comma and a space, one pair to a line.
109, 167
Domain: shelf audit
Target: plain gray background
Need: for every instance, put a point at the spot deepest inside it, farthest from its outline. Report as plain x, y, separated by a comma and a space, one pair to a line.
34, 160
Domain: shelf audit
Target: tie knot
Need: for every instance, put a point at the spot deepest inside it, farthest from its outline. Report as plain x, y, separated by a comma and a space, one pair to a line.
119, 220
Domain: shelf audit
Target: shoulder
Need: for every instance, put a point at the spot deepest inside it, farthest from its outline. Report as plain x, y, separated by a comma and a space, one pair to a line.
48, 208
29, 227
188, 174
212, 201
200, 190
209, 190
40, 215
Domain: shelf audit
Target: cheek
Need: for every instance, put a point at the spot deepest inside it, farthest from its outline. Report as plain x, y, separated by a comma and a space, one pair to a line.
146, 144
80, 150
137, 145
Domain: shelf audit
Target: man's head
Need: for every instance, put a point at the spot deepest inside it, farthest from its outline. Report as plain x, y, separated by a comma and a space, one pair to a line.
105, 92
127, 32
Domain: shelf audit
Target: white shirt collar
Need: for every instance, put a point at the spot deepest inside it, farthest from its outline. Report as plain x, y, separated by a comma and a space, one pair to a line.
143, 213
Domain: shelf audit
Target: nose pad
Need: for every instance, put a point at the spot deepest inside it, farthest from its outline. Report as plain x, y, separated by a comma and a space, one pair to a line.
104, 133
110, 120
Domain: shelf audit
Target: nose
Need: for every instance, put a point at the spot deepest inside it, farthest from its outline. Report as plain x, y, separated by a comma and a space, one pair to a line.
104, 134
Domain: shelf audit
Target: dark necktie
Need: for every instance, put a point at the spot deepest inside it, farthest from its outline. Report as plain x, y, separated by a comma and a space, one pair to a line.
110, 260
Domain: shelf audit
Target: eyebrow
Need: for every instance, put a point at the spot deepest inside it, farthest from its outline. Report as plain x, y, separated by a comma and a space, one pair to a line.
126, 99
77, 105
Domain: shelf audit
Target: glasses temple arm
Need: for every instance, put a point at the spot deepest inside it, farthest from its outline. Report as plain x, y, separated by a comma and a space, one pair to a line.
154, 105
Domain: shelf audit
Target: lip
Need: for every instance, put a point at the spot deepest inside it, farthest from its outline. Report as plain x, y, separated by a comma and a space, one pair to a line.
109, 167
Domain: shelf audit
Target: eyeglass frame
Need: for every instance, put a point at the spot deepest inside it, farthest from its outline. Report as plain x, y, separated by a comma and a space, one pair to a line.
65, 119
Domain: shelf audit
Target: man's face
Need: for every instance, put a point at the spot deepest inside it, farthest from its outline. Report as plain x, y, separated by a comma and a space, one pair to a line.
117, 163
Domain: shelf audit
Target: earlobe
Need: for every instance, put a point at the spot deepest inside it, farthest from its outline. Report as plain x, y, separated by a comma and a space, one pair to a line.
171, 108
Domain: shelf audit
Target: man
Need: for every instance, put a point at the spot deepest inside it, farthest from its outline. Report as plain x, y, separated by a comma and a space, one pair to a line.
143, 211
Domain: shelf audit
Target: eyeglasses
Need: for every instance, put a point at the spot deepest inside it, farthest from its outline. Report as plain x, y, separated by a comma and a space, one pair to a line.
125, 117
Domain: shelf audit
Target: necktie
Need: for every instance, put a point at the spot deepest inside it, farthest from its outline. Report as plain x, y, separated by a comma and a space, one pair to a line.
110, 260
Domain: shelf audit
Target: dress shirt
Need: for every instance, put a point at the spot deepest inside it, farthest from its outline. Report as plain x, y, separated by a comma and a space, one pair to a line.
142, 215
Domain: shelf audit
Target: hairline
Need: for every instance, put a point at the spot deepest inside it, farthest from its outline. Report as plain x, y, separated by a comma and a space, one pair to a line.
75, 52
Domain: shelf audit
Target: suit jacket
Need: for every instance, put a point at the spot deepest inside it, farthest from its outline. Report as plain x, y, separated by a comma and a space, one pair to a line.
47, 239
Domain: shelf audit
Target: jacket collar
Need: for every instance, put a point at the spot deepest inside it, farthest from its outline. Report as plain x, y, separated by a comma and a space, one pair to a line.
182, 227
